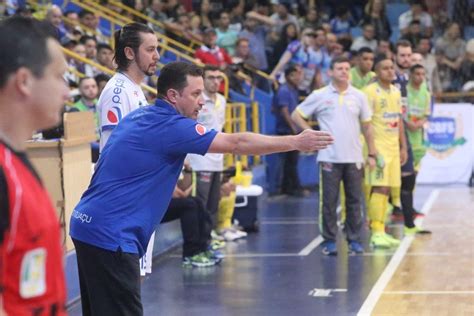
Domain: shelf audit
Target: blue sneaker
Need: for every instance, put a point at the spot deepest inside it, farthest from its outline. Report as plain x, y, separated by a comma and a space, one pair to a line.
329, 248
355, 247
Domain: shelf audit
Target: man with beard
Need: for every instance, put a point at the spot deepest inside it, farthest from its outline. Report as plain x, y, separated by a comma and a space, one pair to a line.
136, 56
403, 195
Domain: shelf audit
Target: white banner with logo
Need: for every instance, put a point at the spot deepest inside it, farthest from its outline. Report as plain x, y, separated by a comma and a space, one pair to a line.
450, 142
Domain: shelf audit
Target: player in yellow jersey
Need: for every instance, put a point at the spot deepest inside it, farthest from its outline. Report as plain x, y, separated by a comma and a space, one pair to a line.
390, 143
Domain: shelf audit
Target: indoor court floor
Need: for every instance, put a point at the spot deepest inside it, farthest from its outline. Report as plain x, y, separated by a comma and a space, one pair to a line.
281, 271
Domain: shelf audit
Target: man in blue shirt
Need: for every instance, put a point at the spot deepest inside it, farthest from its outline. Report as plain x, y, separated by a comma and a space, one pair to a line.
284, 103
134, 181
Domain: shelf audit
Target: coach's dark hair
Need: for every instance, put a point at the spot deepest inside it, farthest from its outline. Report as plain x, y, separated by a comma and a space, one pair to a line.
23, 43
175, 76
128, 36
339, 60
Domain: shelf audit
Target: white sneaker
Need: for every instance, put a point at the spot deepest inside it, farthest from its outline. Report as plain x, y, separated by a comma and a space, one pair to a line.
229, 235
240, 233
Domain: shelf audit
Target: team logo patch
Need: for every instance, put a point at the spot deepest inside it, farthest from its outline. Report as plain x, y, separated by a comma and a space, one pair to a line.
33, 273
114, 115
200, 129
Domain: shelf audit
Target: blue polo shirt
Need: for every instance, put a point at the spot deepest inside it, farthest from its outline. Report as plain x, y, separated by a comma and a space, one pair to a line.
286, 97
135, 178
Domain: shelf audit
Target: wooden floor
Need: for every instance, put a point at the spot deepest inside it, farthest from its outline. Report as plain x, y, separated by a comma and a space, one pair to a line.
436, 274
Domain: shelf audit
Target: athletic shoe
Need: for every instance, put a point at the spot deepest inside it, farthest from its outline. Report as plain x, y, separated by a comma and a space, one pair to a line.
377, 240
397, 214
355, 247
199, 260
392, 240
415, 230
216, 244
417, 214
329, 248
216, 236
240, 232
214, 255
229, 234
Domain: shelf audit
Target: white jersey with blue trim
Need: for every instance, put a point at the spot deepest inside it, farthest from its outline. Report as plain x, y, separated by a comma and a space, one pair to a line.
120, 96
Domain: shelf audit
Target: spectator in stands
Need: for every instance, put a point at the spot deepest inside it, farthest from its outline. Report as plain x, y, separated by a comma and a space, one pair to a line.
155, 11
71, 25
341, 24
105, 56
416, 12
256, 27
90, 45
450, 50
284, 103
301, 52
414, 33
91, 22
204, 13
101, 80
89, 93
243, 55
25, 11
236, 15
54, 16
226, 37
343, 110
289, 33
384, 47
32, 94
311, 19
282, 16
182, 24
366, 40
210, 53
80, 66
375, 14
430, 65
323, 60
466, 73
331, 42
361, 74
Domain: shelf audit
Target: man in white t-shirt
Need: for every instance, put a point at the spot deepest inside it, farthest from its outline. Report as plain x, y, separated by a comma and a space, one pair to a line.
136, 56
208, 168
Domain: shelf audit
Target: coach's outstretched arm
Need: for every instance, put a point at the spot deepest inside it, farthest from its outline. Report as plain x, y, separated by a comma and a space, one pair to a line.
258, 144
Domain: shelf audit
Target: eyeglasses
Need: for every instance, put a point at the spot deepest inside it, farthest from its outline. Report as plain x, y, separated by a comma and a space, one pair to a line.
219, 78
311, 34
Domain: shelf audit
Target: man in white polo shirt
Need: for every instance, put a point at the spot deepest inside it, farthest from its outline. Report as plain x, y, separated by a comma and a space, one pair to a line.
343, 110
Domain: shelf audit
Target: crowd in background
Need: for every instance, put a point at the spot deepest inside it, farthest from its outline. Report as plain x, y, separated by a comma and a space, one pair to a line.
270, 35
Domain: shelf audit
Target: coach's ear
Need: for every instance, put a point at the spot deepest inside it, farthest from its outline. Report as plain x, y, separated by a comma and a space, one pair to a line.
171, 95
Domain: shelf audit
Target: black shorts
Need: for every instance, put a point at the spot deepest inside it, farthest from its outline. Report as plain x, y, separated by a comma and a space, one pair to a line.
109, 281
